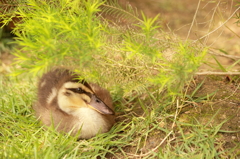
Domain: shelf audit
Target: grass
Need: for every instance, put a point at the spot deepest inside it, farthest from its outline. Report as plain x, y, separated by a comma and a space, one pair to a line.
151, 118
135, 135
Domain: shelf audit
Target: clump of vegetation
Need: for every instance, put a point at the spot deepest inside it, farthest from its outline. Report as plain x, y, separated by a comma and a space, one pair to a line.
144, 68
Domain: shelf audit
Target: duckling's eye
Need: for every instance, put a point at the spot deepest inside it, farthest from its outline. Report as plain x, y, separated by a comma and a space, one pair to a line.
79, 90
98, 101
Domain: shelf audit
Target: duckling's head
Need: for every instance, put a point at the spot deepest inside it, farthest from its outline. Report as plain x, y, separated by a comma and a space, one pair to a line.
75, 95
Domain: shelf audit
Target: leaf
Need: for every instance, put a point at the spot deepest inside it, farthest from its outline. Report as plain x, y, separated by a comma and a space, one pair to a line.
219, 64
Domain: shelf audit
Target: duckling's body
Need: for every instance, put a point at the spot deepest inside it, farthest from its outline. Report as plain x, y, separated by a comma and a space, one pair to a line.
73, 105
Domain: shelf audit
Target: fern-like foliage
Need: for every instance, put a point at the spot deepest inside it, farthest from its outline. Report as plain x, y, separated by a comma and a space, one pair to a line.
72, 34
8, 6
54, 33
8, 9
114, 9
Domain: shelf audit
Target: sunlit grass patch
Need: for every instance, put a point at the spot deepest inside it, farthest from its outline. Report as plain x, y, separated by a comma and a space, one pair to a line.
146, 70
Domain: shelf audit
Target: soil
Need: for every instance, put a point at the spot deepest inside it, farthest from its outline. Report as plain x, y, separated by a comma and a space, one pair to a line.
177, 17
222, 107
225, 104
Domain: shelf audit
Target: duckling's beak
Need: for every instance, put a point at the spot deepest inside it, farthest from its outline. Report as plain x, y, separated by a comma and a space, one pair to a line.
98, 105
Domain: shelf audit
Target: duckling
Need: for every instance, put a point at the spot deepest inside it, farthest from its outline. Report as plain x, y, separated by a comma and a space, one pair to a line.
73, 105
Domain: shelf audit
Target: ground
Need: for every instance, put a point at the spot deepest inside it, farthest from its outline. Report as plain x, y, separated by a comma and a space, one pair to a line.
177, 16
223, 92
224, 103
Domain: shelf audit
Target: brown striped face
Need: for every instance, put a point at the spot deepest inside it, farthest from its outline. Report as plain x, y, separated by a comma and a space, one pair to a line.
73, 95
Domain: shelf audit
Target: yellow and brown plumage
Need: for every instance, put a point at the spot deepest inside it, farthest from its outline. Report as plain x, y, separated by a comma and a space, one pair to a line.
73, 105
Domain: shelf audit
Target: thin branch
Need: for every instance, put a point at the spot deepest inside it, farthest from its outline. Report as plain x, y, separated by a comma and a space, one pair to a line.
176, 114
211, 20
224, 55
221, 100
219, 26
232, 31
154, 149
217, 73
194, 17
